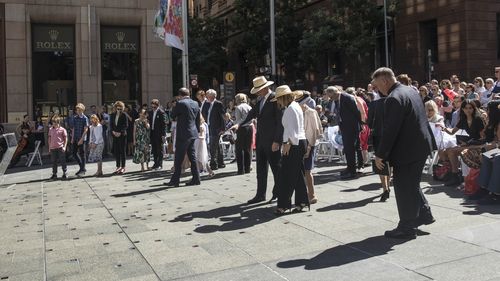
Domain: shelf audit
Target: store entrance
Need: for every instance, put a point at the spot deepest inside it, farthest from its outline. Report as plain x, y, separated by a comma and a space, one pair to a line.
53, 70
120, 65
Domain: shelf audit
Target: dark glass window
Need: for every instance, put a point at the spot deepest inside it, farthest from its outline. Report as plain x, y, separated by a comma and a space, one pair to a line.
53, 69
120, 65
429, 40
498, 35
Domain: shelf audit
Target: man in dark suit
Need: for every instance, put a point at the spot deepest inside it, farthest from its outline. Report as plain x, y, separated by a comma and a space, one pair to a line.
406, 143
187, 113
216, 127
157, 120
269, 137
349, 120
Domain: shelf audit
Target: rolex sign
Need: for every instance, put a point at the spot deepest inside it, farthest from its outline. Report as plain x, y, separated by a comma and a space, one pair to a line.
53, 38
120, 40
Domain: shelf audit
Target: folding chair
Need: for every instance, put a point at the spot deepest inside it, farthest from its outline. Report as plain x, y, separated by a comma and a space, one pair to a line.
35, 154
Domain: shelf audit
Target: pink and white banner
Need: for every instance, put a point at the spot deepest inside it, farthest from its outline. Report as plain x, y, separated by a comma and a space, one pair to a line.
168, 23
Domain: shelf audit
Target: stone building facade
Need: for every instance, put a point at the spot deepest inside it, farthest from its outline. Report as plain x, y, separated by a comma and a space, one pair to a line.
54, 53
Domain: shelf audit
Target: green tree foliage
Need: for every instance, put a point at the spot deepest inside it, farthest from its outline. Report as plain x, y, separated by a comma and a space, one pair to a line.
207, 49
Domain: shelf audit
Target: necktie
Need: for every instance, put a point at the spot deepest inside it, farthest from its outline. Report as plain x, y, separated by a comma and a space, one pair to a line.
262, 102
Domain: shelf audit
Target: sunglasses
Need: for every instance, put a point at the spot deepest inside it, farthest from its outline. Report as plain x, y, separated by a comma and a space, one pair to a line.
119, 109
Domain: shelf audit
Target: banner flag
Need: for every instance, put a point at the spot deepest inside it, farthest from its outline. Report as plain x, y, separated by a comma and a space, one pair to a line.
168, 23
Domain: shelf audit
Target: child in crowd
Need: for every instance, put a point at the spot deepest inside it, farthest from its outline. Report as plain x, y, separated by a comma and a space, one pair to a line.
200, 145
96, 143
58, 140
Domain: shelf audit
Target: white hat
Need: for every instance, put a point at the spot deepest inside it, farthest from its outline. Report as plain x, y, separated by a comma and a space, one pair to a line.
260, 83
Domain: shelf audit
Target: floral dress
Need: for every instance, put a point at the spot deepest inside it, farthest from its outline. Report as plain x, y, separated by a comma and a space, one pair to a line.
142, 152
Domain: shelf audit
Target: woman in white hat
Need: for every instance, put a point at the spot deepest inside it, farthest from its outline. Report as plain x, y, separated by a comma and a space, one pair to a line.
293, 151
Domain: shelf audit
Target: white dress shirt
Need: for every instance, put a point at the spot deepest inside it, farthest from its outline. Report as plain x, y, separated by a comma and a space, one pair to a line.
293, 124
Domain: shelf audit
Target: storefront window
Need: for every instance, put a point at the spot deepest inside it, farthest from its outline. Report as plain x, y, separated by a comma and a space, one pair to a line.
53, 69
120, 64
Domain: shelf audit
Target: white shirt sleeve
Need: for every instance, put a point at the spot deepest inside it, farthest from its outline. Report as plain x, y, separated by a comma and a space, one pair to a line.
291, 124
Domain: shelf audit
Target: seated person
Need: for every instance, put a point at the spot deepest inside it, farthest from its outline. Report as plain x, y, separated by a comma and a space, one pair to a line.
472, 123
25, 145
436, 121
488, 180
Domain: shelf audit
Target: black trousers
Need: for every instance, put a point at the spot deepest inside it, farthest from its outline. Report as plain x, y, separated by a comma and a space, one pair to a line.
181, 148
292, 177
157, 150
120, 150
216, 157
244, 148
359, 154
265, 158
409, 197
349, 142
79, 154
58, 156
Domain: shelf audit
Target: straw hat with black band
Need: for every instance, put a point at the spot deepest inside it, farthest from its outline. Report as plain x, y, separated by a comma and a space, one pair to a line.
260, 83
284, 90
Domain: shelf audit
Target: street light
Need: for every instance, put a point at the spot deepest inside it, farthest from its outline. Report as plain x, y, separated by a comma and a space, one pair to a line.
273, 40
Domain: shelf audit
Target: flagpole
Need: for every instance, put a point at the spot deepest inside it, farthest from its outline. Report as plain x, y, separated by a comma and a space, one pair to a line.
273, 40
185, 53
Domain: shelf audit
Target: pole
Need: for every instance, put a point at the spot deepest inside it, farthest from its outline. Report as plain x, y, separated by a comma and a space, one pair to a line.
386, 35
185, 53
273, 41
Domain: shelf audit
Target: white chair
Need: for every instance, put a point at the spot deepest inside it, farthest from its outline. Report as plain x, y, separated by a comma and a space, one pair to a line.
228, 149
35, 154
328, 147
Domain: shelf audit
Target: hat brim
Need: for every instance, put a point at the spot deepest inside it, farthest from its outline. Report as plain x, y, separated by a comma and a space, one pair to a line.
253, 91
295, 94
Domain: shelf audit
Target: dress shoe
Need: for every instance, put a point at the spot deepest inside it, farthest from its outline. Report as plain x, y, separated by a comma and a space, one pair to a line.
481, 193
172, 184
53, 177
425, 219
454, 180
348, 176
385, 195
241, 173
274, 198
491, 199
221, 166
256, 200
193, 183
399, 233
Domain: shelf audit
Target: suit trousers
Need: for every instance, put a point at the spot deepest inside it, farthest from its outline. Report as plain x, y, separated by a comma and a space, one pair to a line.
292, 177
489, 177
265, 158
79, 154
58, 155
157, 150
409, 197
216, 157
183, 147
120, 149
244, 148
349, 140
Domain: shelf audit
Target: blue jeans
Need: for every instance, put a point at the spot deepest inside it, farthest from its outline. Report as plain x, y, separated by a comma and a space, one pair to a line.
489, 176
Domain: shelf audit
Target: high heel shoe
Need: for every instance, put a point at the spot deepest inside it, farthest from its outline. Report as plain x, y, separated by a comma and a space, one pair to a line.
280, 212
274, 198
385, 195
301, 207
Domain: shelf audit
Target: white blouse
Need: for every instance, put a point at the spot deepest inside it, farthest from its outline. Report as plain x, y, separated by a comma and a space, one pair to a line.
293, 124
96, 134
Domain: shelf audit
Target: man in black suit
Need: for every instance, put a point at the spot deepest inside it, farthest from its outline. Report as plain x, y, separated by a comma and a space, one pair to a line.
406, 143
349, 120
269, 137
187, 113
157, 120
216, 127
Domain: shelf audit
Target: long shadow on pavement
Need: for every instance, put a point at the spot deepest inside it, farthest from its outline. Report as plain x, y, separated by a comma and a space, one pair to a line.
349, 205
345, 254
249, 215
366, 187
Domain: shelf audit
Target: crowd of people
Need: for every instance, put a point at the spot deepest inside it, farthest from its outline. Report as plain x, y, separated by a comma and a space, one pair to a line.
401, 121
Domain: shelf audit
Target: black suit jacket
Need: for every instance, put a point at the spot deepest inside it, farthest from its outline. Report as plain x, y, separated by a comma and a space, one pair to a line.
406, 134
349, 114
187, 114
205, 106
122, 125
376, 117
158, 130
216, 118
269, 126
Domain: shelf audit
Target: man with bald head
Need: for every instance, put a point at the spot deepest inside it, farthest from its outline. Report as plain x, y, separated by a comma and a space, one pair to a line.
405, 144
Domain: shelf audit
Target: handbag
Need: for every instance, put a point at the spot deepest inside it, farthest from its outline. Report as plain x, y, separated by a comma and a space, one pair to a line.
472, 157
382, 172
461, 139
441, 172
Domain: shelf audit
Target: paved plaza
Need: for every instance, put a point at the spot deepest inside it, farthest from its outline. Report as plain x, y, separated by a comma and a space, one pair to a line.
133, 228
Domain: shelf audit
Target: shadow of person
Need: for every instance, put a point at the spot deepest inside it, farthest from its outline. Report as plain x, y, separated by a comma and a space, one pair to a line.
366, 187
220, 212
349, 205
246, 219
345, 254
